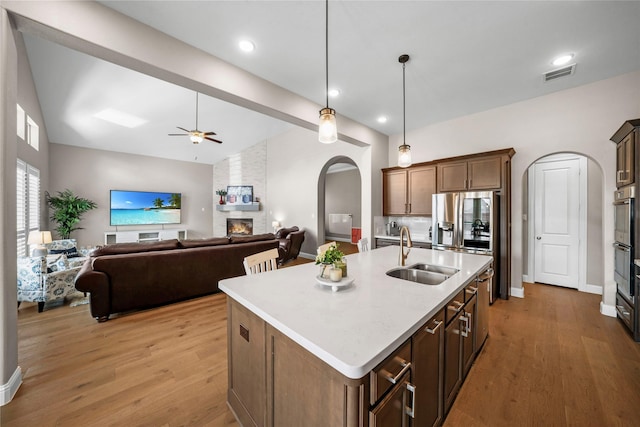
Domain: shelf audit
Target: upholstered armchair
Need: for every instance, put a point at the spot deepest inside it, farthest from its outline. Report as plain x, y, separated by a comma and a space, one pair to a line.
290, 241
36, 284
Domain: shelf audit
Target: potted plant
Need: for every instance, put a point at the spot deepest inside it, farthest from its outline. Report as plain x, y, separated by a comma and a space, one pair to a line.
332, 256
67, 210
221, 193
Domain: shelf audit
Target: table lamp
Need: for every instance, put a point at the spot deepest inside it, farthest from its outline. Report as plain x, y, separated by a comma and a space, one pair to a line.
39, 238
275, 225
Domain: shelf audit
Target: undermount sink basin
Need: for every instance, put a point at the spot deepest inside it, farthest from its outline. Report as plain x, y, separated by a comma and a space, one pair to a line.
426, 274
448, 271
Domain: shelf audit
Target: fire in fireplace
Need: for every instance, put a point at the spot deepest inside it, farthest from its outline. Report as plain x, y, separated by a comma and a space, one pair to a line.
239, 226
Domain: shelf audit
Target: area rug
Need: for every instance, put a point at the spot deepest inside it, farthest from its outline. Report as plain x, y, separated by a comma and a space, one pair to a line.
78, 298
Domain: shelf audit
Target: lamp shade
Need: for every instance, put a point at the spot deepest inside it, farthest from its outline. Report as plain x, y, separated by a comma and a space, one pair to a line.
328, 130
39, 237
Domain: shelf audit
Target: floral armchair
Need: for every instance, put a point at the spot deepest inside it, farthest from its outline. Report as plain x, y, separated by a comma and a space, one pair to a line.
64, 246
39, 283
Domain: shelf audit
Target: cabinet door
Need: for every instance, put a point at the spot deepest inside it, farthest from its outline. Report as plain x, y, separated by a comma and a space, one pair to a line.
427, 358
468, 334
452, 176
452, 353
391, 411
394, 193
625, 161
484, 174
422, 185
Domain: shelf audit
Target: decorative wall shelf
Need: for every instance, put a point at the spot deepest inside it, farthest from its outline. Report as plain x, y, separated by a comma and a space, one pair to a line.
255, 206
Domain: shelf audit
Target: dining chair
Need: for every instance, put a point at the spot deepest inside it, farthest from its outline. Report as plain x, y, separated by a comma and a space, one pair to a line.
363, 245
261, 262
323, 248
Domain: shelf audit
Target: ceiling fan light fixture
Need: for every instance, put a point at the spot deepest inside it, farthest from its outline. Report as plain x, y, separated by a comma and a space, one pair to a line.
327, 128
327, 131
404, 151
196, 138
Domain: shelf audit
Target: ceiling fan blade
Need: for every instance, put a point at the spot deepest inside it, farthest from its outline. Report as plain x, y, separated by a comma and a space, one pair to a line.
210, 133
178, 134
214, 140
187, 131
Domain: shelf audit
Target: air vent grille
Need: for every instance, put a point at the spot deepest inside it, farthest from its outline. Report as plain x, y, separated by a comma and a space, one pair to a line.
560, 72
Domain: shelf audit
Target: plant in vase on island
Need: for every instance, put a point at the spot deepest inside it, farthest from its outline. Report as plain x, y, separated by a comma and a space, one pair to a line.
332, 257
221, 193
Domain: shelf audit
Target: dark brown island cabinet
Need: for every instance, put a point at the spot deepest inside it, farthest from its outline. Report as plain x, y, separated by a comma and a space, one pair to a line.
273, 381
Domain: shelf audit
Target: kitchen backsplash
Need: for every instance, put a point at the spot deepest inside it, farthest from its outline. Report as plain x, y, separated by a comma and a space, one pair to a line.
416, 225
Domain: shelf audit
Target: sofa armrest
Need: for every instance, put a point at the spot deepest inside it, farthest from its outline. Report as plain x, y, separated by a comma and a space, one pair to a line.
97, 284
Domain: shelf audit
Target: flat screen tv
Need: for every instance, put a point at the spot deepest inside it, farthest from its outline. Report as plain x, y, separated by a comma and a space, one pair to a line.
144, 207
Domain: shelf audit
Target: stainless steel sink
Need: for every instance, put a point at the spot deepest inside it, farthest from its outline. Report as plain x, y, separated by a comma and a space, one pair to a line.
426, 274
448, 271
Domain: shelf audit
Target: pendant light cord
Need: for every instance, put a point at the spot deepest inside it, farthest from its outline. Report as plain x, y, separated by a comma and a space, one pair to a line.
404, 114
326, 47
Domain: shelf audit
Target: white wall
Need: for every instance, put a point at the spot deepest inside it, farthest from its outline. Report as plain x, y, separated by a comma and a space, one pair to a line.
577, 120
295, 161
93, 173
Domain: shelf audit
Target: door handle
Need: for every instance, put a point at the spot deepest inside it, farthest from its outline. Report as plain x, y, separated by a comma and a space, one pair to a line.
538, 238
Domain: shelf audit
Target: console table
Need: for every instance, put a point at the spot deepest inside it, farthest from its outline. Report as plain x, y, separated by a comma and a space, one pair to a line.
143, 236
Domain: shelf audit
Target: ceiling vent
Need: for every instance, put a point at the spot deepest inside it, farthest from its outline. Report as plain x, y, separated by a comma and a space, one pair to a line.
560, 72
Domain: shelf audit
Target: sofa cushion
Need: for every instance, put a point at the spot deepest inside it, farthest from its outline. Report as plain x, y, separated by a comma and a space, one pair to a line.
283, 232
127, 248
253, 238
197, 243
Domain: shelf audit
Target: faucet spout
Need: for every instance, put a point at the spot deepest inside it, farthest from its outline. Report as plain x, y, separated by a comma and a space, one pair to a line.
403, 256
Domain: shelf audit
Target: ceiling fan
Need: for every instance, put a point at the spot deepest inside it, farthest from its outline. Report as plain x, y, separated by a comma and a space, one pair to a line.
196, 135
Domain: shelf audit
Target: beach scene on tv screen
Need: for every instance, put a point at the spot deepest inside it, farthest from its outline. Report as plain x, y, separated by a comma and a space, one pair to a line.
139, 207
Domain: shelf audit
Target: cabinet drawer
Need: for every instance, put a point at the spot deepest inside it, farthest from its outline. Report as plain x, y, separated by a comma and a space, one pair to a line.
388, 373
454, 306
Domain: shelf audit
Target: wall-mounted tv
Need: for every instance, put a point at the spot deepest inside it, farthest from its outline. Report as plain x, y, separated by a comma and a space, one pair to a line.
144, 207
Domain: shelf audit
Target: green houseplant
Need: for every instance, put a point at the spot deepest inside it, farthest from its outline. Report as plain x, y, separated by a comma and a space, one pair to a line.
332, 256
67, 210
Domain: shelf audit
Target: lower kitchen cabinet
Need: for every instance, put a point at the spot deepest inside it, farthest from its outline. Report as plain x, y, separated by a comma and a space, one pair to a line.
428, 364
468, 329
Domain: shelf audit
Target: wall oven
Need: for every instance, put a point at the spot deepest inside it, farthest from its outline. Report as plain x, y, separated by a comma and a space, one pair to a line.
624, 269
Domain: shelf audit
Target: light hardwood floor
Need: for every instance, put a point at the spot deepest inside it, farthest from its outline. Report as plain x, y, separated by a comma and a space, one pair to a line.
551, 360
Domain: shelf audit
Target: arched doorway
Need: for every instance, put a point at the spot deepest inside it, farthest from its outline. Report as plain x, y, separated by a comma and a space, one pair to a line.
339, 200
562, 222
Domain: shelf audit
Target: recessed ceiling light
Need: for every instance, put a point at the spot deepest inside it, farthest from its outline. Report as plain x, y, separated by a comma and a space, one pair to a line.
564, 59
334, 92
246, 45
120, 118
382, 119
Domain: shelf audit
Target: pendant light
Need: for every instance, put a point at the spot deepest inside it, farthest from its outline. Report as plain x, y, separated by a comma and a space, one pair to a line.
327, 130
404, 151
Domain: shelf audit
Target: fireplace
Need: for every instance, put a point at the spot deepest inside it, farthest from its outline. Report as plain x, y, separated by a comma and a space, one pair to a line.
239, 226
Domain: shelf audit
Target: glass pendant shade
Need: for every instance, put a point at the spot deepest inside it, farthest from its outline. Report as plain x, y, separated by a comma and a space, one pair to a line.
327, 131
404, 156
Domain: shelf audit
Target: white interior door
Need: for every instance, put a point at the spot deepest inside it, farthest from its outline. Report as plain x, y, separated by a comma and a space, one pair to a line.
557, 222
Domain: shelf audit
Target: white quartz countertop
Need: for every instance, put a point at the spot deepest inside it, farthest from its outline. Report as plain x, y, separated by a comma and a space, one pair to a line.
355, 328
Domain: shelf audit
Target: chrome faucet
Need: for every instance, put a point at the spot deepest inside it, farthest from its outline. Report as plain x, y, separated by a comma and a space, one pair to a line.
403, 256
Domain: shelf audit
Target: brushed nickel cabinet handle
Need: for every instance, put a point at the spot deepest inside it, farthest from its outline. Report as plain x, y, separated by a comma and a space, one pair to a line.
411, 411
433, 331
405, 367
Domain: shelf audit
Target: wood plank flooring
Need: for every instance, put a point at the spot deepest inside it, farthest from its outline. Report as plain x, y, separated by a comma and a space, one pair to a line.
551, 360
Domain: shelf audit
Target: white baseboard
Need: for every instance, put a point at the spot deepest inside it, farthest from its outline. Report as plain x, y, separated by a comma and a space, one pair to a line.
525, 278
8, 390
592, 289
608, 310
517, 292
307, 256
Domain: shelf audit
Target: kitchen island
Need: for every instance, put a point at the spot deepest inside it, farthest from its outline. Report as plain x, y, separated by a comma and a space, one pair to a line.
302, 354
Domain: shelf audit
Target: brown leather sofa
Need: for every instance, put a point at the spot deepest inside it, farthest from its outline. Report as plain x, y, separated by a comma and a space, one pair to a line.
290, 241
129, 276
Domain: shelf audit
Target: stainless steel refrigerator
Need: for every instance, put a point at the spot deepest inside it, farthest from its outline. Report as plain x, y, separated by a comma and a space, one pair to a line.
468, 222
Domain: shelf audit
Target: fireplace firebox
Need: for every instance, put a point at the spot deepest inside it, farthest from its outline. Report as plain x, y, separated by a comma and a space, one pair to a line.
239, 226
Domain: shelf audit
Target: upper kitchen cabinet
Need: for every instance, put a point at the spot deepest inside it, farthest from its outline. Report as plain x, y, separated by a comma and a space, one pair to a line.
625, 139
408, 191
484, 173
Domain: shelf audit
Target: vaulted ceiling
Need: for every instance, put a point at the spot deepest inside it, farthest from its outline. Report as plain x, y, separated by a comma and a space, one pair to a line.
466, 57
